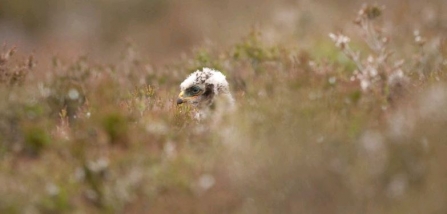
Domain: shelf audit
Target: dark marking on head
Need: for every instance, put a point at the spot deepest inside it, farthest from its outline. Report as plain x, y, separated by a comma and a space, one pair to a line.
208, 95
209, 91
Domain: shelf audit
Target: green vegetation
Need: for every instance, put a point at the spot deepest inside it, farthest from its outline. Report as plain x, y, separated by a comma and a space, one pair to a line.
350, 125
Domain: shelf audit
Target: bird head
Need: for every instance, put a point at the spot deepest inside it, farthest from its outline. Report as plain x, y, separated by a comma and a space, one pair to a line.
202, 87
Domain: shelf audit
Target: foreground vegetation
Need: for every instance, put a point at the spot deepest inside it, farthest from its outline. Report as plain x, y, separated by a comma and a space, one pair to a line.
356, 126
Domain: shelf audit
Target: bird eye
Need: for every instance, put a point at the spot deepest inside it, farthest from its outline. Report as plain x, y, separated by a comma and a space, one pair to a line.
195, 90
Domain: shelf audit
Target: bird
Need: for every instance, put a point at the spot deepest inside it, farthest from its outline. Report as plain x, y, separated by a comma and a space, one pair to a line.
205, 90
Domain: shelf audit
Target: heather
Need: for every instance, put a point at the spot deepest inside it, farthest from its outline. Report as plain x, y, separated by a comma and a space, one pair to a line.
340, 107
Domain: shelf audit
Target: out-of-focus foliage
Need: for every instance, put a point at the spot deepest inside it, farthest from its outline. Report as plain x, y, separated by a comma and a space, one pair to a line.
352, 125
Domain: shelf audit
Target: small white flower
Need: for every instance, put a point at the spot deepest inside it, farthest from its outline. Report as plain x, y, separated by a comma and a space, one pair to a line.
370, 59
99, 165
52, 189
170, 149
206, 181
373, 72
416, 33
44, 91
340, 40
332, 80
398, 186
364, 83
79, 174
73, 94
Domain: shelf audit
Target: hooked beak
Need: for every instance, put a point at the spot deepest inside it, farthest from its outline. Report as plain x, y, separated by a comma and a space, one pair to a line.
179, 101
180, 98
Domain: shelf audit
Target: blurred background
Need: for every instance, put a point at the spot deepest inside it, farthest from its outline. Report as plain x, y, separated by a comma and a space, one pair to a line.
163, 30
99, 131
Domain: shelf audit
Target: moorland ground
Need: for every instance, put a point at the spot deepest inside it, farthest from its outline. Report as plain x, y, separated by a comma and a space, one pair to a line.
341, 107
